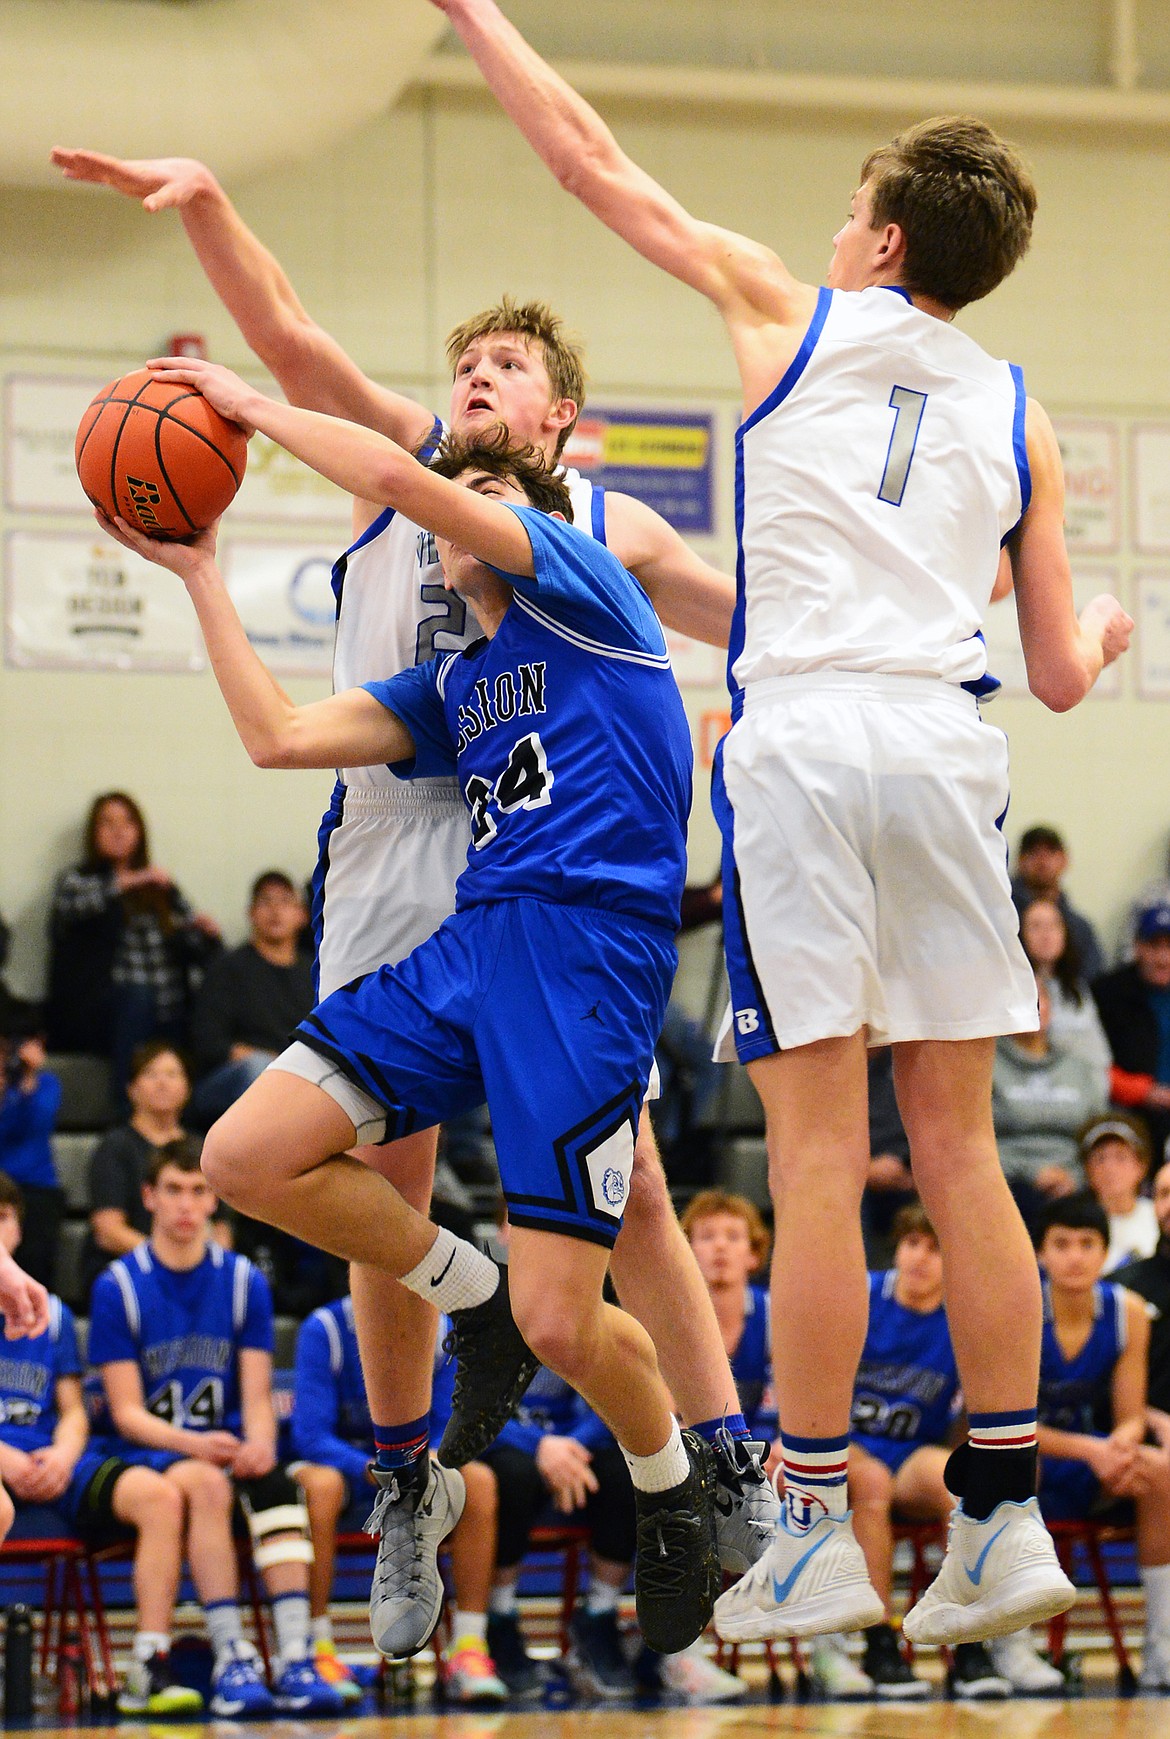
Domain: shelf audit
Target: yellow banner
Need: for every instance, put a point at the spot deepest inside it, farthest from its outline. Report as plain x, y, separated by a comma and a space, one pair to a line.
657, 445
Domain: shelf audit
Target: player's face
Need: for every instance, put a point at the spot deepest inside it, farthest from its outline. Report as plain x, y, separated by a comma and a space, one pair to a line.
277, 914
161, 1088
463, 572
116, 832
1115, 1175
1043, 933
1162, 1199
9, 1228
1073, 1258
856, 247
1153, 961
503, 379
180, 1204
723, 1249
918, 1261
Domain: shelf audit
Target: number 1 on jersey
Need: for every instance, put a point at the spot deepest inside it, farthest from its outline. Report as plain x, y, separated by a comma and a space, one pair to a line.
908, 407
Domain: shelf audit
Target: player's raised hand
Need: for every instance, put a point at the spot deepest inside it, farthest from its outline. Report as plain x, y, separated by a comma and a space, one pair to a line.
184, 559
161, 183
23, 1301
224, 391
1105, 619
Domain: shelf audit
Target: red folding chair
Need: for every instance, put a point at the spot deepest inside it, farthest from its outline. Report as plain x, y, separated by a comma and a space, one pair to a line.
64, 1598
1089, 1537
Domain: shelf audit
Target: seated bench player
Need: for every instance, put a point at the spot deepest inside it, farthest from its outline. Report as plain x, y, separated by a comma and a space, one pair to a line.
181, 1335
731, 1244
1094, 1460
331, 1434
566, 732
46, 1459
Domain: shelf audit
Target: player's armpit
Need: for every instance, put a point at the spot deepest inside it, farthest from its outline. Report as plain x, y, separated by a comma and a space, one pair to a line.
689, 596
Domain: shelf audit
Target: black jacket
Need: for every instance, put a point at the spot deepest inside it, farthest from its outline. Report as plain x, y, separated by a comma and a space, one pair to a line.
1150, 1279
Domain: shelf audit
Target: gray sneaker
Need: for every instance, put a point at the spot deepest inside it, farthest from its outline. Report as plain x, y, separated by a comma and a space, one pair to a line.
414, 1512
747, 1510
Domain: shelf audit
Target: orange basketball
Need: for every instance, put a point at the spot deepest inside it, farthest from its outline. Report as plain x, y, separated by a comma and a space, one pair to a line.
156, 454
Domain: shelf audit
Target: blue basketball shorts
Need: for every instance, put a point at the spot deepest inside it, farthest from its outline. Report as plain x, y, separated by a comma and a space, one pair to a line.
549, 1013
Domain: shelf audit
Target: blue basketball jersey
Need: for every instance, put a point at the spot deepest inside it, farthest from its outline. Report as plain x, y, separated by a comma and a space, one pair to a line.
330, 1421
1076, 1393
184, 1329
29, 1370
751, 1365
567, 735
907, 1386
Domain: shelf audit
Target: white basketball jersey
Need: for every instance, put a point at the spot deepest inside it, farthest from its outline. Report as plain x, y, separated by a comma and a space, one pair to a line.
875, 487
393, 610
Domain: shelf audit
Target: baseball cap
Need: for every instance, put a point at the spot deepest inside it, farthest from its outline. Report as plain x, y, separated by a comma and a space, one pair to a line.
1154, 921
1115, 1129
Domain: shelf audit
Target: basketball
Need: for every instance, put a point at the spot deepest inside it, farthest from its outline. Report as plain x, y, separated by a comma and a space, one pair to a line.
159, 456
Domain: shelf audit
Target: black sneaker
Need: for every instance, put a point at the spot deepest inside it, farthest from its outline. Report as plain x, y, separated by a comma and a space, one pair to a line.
973, 1678
596, 1661
494, 1366
514, 1664
677, 1577
887, 1666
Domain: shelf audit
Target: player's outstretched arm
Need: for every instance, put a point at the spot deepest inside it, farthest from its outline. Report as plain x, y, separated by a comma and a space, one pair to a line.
1064, 654
688, 595
743, 279
350, 729
310, 366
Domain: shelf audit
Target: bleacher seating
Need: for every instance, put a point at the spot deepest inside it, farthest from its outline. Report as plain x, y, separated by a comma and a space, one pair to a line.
86, 1099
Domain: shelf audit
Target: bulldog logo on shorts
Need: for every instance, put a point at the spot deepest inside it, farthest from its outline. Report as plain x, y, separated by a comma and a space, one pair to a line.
613, 1187
607, 1169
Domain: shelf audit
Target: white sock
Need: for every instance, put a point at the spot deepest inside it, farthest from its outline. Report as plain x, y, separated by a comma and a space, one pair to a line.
502, 1600
601, 1597
321, 1629
148, 1643
223, 1625
663, 1470
453, 1274
467, 1624
1155, 1580
290, 1618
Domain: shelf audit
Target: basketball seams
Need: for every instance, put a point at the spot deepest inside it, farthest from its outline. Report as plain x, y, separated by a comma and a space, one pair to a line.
169, 417
158, 425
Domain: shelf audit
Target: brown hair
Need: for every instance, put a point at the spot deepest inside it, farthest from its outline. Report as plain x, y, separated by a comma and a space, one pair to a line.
141, 856
708, 1203
913, 1221
12, 1196
144, 1055
182, 1154
546, 489
964, 201
537, 324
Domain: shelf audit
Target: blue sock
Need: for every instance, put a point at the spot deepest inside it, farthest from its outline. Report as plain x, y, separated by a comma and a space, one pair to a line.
734, 1423
401, 1445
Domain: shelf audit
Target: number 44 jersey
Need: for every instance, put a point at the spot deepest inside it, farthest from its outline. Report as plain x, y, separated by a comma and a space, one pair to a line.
567, 734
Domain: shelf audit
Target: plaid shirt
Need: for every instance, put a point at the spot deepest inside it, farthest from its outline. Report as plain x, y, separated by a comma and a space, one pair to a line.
144, 955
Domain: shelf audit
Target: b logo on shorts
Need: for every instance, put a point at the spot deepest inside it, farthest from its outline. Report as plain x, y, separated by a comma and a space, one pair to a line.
747, 1020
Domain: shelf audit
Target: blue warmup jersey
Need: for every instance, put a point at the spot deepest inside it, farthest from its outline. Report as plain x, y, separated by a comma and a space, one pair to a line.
1076, 1395
29, 1370
185, 1330
330, 1422
568, 736
545, 992
751, 1366
907, 1388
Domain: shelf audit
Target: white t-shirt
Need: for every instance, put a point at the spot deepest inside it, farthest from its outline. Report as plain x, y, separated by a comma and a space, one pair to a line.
1132, 1235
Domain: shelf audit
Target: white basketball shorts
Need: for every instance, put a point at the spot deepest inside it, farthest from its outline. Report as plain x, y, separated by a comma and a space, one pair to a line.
385, 880
864, 867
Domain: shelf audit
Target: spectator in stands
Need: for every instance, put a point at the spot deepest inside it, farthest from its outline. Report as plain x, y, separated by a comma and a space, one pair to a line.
1041, 1099
1115, 1152
905, 1409
889, 1186
181, 1332
1150, 1279
1074, 1023
1041, 865
1093, 1369
158, 1089
1134, 1004
1155, 893
123, 943
30, 1098
62, 1484
251, 999
332, 1437
731, 1244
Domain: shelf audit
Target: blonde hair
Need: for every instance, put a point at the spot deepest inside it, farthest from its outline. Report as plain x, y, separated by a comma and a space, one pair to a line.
536, 323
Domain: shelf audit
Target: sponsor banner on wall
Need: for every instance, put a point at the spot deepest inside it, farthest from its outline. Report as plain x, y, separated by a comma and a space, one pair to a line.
665, 458
278, 488
41, 414
1005, 655
285, 601
695, 664
1151, 488
1091, 455
75, 600
1152, 616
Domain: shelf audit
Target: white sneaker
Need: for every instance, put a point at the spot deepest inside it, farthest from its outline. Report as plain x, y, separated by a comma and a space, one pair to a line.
835, 1672
697, 1679
1017, 1659
1155, 1673
997, 1576
803, 1585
